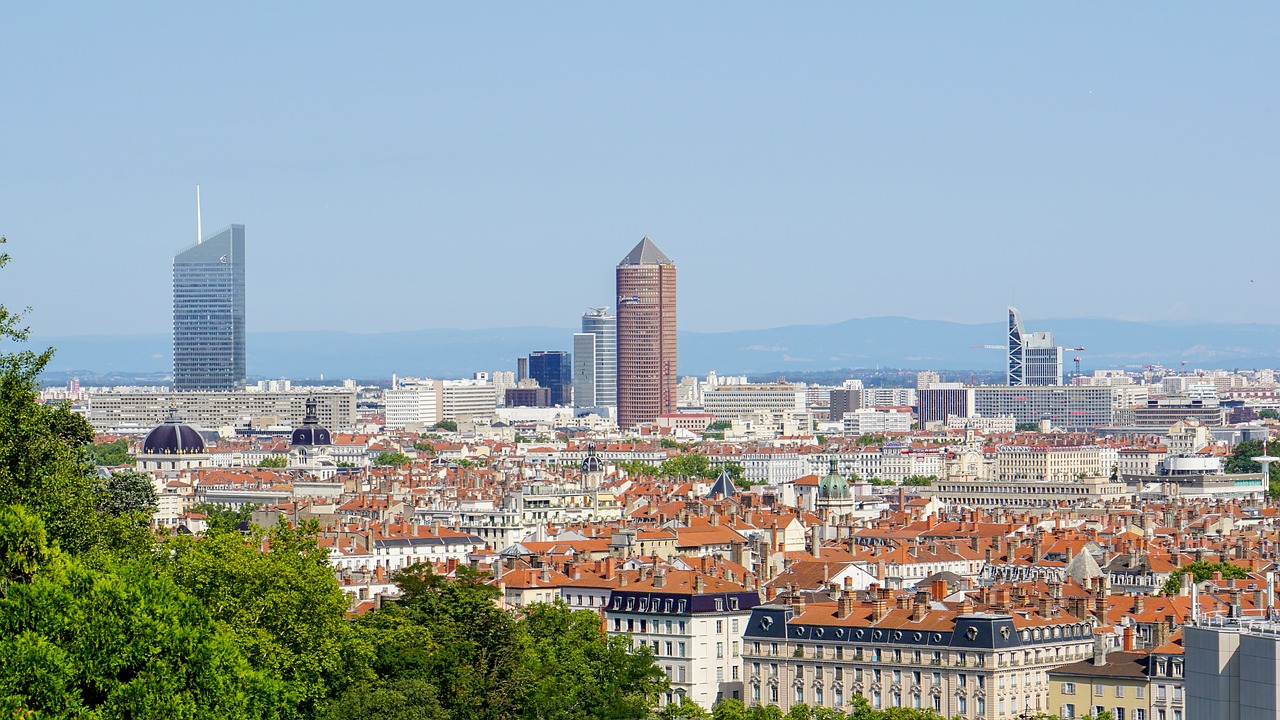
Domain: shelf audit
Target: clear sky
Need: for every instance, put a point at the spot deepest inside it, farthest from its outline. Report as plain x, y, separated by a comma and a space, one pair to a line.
421, 165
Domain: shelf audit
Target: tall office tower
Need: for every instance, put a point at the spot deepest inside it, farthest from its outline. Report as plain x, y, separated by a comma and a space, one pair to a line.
646, 335
1034, 359
208, 313
1016, 331
595, 360
522, 369
553, 369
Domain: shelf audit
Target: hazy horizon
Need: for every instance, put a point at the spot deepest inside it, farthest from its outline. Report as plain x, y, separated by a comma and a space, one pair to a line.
481, 166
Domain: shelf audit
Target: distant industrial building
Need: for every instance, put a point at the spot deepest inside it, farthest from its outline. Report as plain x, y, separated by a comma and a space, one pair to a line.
1233, 668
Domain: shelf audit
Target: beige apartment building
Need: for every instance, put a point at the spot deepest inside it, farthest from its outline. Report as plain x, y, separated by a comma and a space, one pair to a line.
123, 411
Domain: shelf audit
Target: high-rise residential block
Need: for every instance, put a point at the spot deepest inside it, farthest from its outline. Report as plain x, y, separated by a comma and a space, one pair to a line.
553, 369
595, 360
208, 314
646, 316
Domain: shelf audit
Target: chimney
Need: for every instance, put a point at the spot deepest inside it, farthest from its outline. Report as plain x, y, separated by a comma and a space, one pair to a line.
1099, 650
903, 602
966, 606
1044, 606
545, 575
920, 607
1139, 604
797, 604
845, 604
938, 589
1162, 631
1188, 580
698, 584
879, 608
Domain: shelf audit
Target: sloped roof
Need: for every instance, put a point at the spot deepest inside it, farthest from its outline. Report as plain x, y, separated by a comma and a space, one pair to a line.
646, 253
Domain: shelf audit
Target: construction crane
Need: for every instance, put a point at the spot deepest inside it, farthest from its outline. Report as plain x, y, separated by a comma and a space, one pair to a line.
988, 347
1077, 366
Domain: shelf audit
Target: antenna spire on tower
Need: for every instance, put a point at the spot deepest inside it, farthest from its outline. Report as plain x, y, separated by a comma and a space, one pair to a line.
199, 231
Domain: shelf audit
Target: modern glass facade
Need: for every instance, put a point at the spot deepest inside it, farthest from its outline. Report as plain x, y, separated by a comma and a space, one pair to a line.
553, 369
208, 314
595, 360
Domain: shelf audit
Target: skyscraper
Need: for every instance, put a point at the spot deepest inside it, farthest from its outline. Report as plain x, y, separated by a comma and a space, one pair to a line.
646, 317
553, 369
1034, 359
595, 360
208, 313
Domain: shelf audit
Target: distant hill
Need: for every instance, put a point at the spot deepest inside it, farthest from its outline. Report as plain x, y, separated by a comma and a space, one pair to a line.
863, 342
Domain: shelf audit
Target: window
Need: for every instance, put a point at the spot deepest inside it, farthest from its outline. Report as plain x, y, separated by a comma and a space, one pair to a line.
800, 694
963, 679
734, 624
937, 679
773, 694
1068, 688
1140, 692
719, 649
773, 648
875, 699
773, 669
719, 626
962, 705
1068, 711
644, 626
735, 648
755, 693
670, 647
839, 698
617, 624
915, 700
735, 672
980, 706
1099, 691
915, 677
681, 647
1139, 714
719, 674
817, 695
1118, 713
1119, 691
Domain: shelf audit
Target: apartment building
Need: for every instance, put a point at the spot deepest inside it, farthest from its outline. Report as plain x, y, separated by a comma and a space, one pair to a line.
692, 622
125, 411
1071, 408
1047, 462
733, 401
911, 652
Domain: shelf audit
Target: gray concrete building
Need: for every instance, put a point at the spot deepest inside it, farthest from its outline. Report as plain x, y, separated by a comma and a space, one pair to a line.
123, 411
1232, 666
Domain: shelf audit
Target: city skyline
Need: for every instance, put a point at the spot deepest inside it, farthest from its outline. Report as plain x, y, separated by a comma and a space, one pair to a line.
843, 134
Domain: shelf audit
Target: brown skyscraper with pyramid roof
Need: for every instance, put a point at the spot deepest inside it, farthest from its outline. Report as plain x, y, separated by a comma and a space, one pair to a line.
646, 335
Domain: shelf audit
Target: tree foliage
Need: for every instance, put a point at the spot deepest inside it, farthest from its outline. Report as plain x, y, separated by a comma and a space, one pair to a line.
1201, 571
274, 461
392, 458
112, 454
128, 492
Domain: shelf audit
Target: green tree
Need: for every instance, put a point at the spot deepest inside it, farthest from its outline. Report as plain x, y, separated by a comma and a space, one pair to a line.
1269, 414
44, 458
684, 709
447, 425
112, 454
920, 480
1201, 571
425, 448
127, 492
1241, 460
576, 670
872, 439
113, 641
479, 666
636, 467
730, 709
283, 607
692, 465
392, 457
274, 461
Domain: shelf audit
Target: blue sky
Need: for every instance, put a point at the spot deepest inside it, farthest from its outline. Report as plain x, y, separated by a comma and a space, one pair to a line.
476, 165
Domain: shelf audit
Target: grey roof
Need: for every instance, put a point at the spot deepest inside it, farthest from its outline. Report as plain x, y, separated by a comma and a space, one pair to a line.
646, 253
723, 486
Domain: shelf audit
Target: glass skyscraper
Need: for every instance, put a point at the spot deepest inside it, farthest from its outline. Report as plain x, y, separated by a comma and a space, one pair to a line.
553, 369
208, 313
595, 360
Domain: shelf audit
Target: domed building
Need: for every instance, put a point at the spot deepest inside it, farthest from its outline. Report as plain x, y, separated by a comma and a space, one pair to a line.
309, 447
173, 446
835, 498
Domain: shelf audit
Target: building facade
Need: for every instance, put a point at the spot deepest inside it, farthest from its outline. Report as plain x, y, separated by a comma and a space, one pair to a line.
646, 346
909, 654
209, 314
553, 369
120, 411
1069, 407
595, 360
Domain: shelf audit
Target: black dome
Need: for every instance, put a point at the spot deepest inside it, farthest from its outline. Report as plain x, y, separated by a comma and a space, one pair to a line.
591, 463
310, 432
173, 438
310, 435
